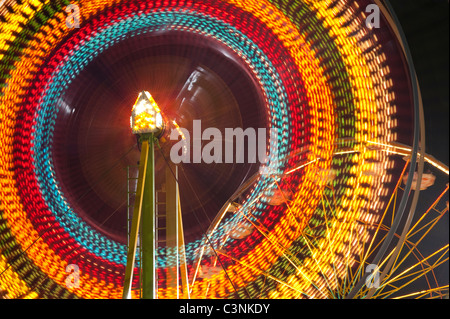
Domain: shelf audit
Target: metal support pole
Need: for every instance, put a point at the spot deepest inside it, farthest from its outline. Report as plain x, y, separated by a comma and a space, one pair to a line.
172, 240
144, 219
144, 213
146, 119
136, 220
148, 227
182, 256
175, 236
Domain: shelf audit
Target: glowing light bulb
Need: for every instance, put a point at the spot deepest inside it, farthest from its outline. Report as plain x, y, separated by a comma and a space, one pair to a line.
146, 115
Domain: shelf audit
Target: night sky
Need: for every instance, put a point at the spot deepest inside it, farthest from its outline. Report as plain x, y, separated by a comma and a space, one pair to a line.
426, 27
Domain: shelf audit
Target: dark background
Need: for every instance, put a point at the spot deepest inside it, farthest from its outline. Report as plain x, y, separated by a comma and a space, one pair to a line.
426, 27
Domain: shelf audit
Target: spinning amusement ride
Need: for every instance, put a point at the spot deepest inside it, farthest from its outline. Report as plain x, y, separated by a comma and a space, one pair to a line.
93, 208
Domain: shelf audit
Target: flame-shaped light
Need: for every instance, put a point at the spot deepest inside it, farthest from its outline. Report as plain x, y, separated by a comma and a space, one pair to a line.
146, 115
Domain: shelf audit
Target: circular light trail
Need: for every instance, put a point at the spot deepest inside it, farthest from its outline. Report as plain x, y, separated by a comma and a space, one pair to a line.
328, 83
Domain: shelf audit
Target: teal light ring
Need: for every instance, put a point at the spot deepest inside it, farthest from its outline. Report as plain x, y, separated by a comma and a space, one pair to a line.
68, 70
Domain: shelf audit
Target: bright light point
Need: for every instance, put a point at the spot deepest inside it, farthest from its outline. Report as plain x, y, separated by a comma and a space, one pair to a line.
159, 120
146, 116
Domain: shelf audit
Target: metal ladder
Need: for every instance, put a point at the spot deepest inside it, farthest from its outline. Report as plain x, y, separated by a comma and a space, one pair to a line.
132, 171
161, 230
160, 225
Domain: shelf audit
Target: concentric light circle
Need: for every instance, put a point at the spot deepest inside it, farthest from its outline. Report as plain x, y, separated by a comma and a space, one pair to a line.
333, 87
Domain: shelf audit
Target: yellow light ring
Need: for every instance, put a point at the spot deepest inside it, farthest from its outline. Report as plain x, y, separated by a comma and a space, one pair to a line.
263, 256
322, 269
13, 19
318, 93
20, 226
366, 116
360, 74
13, 286
361, 85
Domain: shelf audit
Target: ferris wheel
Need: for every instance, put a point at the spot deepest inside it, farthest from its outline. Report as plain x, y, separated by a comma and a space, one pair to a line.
338, 201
